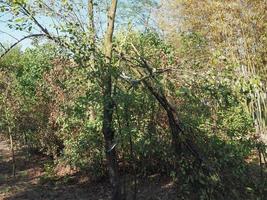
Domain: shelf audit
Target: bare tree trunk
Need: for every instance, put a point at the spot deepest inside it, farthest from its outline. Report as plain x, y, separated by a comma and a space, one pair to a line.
108, 108
92, 37
12, 153
132, 158
174, 124
180, 141
92, 32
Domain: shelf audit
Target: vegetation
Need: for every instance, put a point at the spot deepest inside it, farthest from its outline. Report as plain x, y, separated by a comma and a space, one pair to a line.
176, 88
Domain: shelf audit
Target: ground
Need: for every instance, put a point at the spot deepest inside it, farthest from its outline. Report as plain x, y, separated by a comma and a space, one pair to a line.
31, 181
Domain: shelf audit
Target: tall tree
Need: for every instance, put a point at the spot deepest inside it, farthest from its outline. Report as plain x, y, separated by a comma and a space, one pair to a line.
108, 106
27, 12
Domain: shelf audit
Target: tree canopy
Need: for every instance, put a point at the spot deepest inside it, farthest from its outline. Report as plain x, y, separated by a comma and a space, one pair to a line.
128, 89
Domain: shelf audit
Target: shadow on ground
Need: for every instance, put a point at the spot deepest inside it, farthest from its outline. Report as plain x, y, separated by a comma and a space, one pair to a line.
31, 183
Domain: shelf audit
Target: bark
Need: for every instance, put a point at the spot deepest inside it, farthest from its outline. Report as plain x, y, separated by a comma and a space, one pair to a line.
92, 36
12, 153
108, 107
127, 119
180, 141
173, 120
92, 32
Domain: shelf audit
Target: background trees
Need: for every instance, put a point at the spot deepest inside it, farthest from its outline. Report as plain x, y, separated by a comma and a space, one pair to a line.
186, 100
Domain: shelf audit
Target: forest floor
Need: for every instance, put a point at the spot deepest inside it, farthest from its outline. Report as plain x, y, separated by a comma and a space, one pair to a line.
31, 181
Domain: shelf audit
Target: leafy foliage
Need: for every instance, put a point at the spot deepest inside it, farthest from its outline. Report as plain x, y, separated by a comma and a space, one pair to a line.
52, 94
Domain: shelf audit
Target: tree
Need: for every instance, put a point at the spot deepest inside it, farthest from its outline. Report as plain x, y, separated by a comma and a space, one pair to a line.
108, 106
223, 36
23, 11
9, 99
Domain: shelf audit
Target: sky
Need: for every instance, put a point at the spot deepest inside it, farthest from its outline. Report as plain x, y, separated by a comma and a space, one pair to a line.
7, 35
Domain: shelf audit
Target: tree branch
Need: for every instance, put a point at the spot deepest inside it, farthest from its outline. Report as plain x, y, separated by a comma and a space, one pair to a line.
3, 46
16, 43
43, 29
8, 35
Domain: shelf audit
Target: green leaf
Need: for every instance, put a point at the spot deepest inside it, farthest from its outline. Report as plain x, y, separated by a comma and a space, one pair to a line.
18, 20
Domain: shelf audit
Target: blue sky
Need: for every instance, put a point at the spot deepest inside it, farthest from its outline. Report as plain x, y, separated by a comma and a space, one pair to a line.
6, 34
9, 36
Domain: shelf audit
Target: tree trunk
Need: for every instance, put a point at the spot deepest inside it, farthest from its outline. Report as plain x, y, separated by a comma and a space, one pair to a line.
173, 121
92, 32
180, 141
108, 107
92, 37
12, 153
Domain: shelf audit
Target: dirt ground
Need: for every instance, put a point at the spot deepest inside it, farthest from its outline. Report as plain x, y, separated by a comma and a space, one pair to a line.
31, 182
